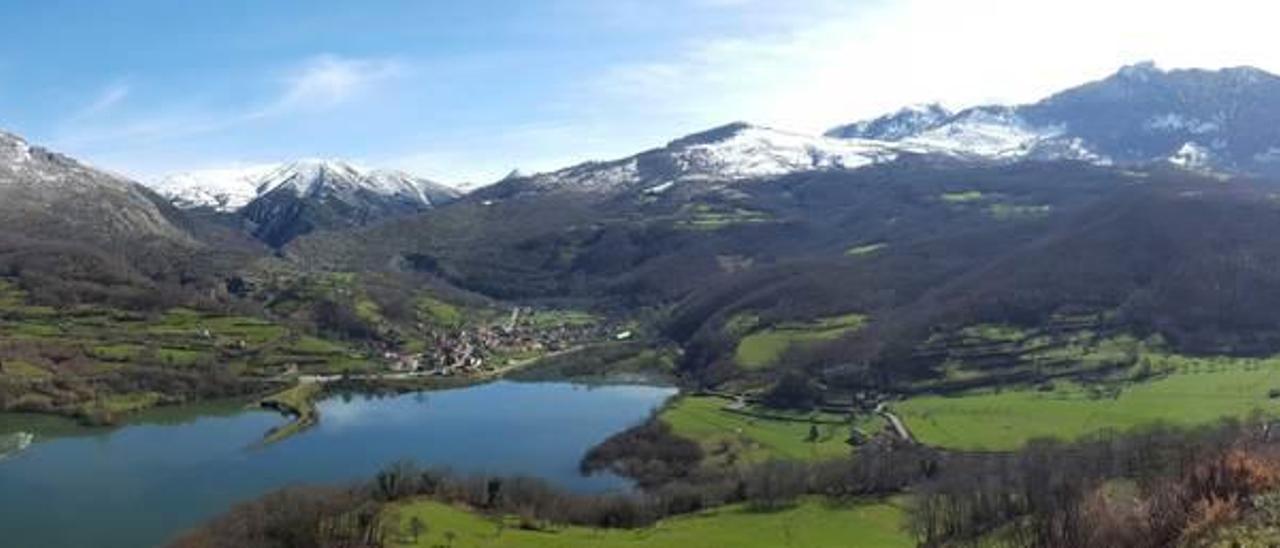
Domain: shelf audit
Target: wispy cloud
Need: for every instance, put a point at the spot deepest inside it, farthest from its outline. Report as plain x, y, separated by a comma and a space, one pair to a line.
328, 81
320, 83
110, 96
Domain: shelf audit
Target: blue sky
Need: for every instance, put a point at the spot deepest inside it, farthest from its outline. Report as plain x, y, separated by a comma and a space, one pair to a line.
466, 91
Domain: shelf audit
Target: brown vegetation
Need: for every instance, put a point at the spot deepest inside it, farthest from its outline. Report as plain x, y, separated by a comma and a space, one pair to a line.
1153, 488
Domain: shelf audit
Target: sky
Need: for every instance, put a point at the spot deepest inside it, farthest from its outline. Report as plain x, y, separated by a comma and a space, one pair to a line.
465, 92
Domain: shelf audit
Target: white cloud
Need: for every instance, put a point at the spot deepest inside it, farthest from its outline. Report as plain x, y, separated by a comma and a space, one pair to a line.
841, 61
327, 81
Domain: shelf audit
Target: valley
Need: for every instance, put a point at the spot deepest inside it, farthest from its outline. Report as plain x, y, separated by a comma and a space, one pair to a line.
883, 335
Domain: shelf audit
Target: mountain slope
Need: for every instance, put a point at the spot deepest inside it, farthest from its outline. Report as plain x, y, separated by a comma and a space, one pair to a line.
1143, 113
72, 234
45, 195
646, 247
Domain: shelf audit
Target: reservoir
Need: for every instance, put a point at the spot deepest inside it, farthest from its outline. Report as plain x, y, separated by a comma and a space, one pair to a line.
169, 469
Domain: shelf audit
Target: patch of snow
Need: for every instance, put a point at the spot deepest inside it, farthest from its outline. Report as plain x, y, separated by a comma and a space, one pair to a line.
659, 189
13, 149
1064, 148
1176, 122
1192, 156
591, 176
1271, 156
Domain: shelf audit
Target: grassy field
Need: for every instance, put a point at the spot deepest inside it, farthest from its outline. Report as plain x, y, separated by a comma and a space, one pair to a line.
300, 400
177, 338
740, 438
49, 359
866, 249
1007, 212
706, 217
1194, 391
764, 347
437, 312
810, 524
962, 197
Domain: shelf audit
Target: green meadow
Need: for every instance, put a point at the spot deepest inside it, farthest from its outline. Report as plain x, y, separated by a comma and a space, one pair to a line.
743, 438
707, 217
866, 249
812, 523
763, 347
1190, 391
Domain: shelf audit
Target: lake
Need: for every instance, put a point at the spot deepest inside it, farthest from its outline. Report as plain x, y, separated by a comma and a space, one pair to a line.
169, 469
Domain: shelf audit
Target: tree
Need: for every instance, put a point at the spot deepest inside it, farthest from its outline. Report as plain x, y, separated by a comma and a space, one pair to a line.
417, 528
792, 391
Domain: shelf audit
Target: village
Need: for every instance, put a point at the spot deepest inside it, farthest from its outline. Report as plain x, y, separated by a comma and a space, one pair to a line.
489, 348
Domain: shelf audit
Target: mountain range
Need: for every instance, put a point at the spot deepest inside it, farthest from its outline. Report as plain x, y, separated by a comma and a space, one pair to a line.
713, 209
1225, 121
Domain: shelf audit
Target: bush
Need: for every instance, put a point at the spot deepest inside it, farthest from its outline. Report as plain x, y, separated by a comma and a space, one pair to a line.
649, 453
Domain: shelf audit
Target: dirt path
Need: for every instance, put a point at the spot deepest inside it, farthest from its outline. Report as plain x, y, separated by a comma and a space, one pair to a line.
897, 424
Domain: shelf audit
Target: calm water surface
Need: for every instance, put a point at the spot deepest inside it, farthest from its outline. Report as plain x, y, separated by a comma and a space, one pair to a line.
139, 485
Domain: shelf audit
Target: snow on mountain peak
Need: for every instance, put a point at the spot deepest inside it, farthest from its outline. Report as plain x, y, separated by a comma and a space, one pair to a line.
312, 176
222, 189
994, 132
903, 123
33, 166
1139, 71
13, 149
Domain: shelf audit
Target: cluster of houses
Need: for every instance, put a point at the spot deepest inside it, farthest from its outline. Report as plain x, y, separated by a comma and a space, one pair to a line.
480, 348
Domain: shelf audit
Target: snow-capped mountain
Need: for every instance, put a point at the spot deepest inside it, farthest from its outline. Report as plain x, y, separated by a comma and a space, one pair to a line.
296, 198
734, 153
1224, 120
332, 179
230, 189
46, 195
